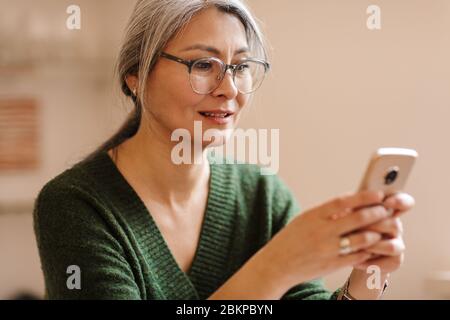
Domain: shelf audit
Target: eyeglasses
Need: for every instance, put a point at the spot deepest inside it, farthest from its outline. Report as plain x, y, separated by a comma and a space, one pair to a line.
206, 74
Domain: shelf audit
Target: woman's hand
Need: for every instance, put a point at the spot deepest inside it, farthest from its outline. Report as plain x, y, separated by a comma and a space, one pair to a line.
309, 246
389, 252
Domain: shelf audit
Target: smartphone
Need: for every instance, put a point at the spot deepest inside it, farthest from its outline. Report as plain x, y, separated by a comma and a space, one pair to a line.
388, 170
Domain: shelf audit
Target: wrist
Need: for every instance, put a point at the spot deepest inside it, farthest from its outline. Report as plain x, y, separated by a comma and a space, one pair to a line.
269, 265
258, 279
357, 286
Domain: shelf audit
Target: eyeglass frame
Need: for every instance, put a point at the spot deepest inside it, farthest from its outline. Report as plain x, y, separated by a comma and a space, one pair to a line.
225, 67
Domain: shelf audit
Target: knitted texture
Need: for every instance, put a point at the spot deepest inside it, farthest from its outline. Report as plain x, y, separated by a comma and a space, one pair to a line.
90, 217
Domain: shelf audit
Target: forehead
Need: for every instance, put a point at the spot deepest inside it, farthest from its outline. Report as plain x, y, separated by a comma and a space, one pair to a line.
214, 28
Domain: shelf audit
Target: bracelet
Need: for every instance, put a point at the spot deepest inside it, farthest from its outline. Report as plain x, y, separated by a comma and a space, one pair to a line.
345, 295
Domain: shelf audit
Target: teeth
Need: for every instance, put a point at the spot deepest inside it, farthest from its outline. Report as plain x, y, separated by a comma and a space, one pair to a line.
218, 115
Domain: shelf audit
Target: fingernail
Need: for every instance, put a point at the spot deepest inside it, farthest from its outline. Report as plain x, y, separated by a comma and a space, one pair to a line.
374, 236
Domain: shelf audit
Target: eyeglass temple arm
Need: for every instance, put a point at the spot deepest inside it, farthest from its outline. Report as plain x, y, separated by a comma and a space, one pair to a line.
171, 57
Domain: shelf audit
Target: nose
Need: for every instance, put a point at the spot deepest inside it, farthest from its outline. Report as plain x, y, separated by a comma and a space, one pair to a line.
227, 86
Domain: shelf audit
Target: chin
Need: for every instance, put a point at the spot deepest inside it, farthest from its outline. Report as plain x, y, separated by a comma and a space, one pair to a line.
217, 141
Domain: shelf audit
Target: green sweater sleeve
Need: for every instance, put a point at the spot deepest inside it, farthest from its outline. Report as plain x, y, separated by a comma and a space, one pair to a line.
285, 208
72, 237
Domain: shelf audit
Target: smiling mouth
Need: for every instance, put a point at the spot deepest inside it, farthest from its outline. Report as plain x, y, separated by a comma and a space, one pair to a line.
216, 114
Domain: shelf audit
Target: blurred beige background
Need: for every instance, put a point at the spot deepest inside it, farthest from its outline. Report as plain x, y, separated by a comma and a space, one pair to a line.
337, 91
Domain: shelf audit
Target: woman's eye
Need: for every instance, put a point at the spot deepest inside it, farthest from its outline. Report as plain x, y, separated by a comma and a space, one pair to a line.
203, 66
242, 67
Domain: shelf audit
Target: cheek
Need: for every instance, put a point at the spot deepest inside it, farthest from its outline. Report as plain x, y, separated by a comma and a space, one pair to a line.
241, 101
171, 99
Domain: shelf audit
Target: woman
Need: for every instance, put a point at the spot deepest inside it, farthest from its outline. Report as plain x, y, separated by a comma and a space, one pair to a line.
135, 225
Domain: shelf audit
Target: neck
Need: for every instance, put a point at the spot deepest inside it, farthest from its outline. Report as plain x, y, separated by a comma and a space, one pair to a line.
146, 159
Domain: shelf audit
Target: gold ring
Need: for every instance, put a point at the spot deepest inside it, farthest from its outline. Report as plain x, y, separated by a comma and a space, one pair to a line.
344, 246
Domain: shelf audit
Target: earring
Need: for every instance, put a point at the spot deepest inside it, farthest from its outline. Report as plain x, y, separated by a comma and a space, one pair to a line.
134, 92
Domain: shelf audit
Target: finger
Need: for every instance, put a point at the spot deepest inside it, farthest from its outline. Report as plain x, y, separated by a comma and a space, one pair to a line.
362, 240
391, 263
351, 201
390, 247
360, 219
391, 226
399, 202
352, 259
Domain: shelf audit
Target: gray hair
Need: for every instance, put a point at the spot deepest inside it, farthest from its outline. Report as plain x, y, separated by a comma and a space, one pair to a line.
152, 25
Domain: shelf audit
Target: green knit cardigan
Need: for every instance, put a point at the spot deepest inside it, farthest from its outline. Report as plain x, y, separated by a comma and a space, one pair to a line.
91, 224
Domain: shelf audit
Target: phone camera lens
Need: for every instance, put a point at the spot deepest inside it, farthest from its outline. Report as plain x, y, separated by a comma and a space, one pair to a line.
391, 176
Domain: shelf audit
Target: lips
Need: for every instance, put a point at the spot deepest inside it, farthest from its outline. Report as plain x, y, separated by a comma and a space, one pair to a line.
218, 116
216, 113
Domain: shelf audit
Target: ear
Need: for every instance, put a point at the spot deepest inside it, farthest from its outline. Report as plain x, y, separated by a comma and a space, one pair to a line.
132, 82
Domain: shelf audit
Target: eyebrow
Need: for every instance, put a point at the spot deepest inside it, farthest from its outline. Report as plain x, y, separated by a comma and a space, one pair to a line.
212, 49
